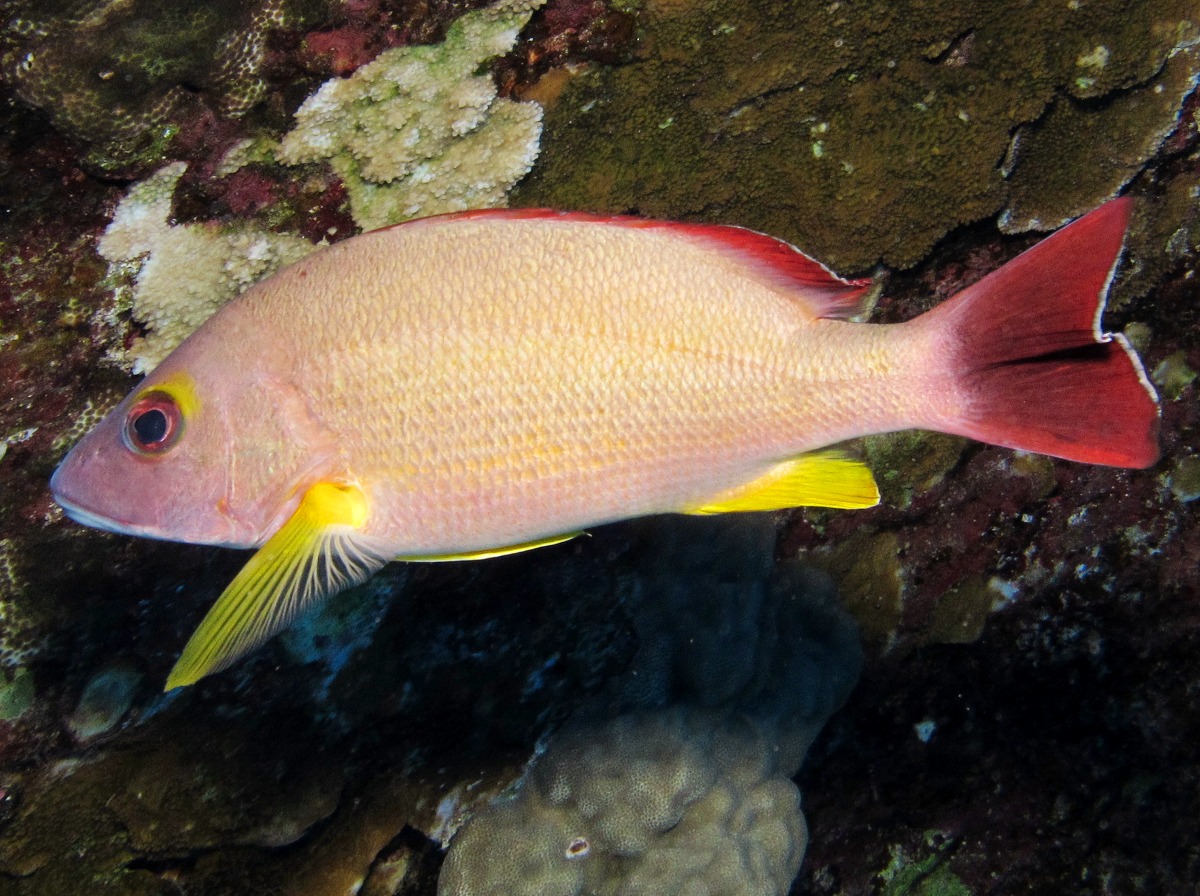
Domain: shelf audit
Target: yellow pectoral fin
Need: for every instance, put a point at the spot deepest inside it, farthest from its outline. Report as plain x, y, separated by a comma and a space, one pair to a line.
488, 553
819, 479
317, 552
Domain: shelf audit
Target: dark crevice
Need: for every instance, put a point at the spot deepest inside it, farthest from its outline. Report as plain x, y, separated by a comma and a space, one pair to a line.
411, 854
167, 867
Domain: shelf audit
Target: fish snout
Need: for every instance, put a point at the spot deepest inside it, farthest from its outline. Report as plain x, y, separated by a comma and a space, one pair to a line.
80, 487
102, 485
119, 492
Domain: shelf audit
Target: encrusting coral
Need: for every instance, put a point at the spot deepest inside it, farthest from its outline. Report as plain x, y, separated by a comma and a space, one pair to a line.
181, 274
18, 638
417, 131
689, 789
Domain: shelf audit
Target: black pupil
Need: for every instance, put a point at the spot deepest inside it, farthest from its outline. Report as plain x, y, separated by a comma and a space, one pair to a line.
151, 426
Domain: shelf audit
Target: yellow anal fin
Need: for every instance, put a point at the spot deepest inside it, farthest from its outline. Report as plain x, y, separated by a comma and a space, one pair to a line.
317, 552
818, 479
488, 553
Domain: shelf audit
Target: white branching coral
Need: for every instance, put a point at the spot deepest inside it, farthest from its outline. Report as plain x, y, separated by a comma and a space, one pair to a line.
181, 274
418, 131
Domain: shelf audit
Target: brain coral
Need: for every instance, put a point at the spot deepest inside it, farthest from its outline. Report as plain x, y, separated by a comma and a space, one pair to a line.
689, 789
121, 76
676, 801
418, 131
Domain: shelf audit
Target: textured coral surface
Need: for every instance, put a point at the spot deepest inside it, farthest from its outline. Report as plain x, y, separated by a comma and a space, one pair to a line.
1026, 720
123, 77
182, 273
686, 788
417, 131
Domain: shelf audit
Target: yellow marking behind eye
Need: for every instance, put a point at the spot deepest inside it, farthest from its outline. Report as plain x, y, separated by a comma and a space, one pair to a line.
182, 388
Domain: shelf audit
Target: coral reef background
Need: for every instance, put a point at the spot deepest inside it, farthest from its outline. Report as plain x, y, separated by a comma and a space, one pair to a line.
1025, 720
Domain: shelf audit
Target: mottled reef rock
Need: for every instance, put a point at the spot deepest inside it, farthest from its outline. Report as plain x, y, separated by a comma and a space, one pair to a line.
866, 132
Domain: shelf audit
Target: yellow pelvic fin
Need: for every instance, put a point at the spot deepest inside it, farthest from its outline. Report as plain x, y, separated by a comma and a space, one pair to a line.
817, 479
317, 552
488, 553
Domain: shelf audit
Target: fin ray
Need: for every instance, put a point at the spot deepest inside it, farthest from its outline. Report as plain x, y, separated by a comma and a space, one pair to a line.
489, 553
816, 479
317, 552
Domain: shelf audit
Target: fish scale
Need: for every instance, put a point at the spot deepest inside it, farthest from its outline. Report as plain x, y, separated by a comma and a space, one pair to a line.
487, 382
582, 366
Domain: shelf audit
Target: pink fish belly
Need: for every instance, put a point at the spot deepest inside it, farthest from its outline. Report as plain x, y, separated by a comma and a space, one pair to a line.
652, 437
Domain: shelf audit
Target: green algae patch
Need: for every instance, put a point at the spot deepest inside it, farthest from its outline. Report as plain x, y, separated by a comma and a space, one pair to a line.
1173, 375
1139, 335
1184, 480
870, 580
17, 692
940, 882
862, 133
961, 613
929, 876
1039, 470
908, 464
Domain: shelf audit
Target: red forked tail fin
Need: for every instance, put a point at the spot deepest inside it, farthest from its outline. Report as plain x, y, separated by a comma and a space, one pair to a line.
1036, 369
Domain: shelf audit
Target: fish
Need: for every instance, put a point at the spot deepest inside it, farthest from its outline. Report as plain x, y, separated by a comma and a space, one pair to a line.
485, 382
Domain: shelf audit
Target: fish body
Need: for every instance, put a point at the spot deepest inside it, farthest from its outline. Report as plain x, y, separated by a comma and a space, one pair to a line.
476, 383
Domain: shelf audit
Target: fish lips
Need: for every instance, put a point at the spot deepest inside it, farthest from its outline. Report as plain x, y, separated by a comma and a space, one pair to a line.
81, 514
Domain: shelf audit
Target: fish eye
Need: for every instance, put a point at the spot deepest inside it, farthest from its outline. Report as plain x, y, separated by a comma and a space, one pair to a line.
154, 423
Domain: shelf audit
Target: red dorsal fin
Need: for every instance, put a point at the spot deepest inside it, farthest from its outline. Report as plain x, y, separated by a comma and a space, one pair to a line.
773, 261
781, 265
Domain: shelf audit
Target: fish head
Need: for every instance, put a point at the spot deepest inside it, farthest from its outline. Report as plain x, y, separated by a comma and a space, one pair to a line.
208, 449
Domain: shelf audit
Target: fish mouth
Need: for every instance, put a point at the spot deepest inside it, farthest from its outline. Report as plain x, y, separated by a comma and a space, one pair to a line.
85, 517
90, 518
82, 515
